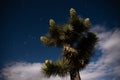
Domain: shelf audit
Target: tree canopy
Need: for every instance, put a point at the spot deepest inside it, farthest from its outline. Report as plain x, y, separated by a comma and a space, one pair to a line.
77, 41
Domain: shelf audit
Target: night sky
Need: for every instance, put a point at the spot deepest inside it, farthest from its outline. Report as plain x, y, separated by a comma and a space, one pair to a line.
24, 21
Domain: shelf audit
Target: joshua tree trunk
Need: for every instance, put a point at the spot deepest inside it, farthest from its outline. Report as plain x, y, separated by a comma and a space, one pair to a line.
75, 75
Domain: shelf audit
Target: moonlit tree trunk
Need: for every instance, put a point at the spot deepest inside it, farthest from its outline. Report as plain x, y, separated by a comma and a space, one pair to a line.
75, 76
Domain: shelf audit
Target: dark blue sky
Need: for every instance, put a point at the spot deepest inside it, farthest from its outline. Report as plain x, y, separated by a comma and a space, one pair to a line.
24, 21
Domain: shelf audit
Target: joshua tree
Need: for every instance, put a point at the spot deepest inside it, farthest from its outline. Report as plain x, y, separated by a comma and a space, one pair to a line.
77, 43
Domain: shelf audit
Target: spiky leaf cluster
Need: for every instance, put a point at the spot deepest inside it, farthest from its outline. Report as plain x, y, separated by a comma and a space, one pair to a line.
60, 67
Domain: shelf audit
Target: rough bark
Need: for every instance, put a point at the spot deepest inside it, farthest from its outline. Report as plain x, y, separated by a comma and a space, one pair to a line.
75, 75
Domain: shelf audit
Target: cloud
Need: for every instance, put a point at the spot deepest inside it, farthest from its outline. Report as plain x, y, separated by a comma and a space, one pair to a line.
25, 71
110, 45
105, 68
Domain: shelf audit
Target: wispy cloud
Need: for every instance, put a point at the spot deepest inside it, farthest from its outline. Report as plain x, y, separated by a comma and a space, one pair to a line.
25, 71
105, 68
